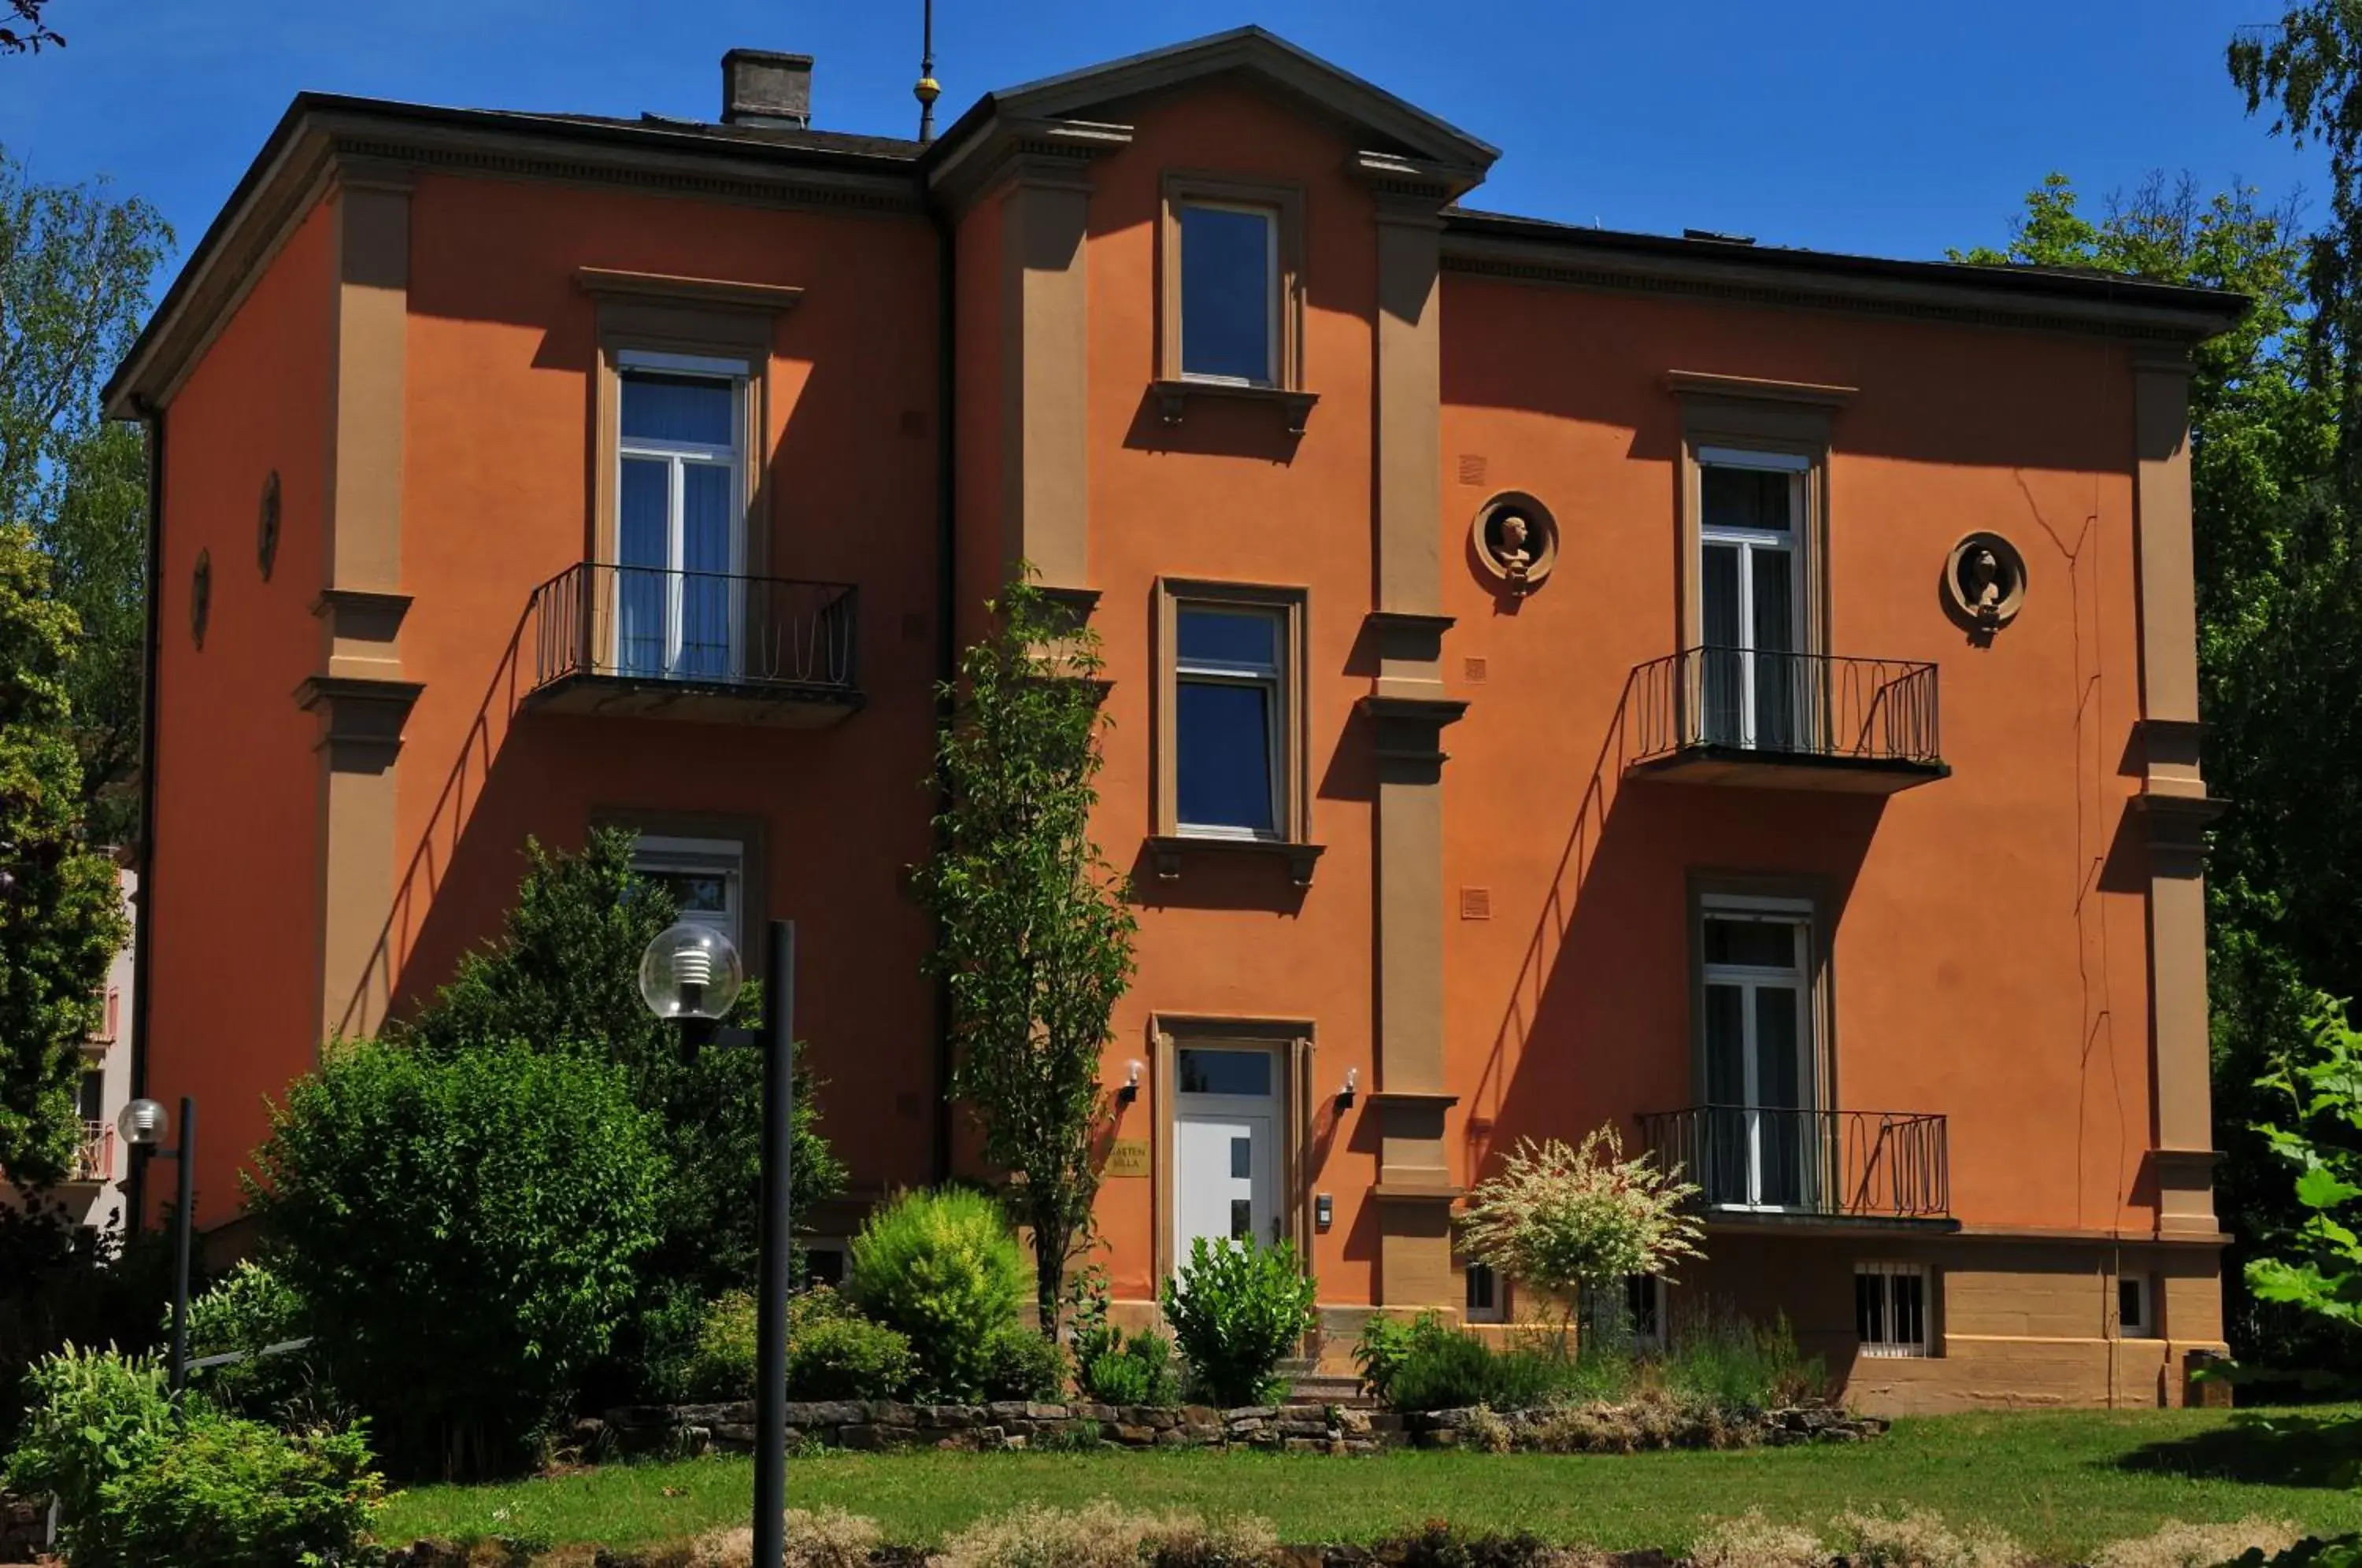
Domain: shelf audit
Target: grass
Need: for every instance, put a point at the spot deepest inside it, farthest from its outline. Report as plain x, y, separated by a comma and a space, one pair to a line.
2062, 1483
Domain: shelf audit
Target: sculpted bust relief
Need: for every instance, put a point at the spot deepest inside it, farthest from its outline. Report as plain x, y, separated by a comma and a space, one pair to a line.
1984, 583
1514, 542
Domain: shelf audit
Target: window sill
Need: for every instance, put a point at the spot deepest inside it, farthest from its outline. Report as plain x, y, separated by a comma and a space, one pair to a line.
1172, 399
1166, 851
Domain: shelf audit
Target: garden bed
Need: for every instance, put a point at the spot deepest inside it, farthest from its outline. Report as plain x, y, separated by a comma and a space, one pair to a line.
683, 1430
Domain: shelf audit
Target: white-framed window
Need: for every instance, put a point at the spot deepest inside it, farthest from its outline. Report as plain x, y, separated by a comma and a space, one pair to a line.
1752, 569
2135, 1308
680, 516
1487, 1300
1760, 1144
1231, 720
1229, 296
1891, 1303
706, 876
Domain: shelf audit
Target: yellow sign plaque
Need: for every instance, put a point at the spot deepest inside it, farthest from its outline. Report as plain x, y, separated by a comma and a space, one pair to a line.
1127, 1158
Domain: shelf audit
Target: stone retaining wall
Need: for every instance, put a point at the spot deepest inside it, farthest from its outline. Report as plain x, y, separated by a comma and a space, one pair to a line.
1292, 1429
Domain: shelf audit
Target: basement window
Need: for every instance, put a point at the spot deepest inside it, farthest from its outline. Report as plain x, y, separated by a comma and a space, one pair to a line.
1889, 1303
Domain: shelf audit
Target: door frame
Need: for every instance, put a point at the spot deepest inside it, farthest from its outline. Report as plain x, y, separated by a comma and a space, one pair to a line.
1292, 1041
1795, 917
678, 456
1796, 543
1815, 900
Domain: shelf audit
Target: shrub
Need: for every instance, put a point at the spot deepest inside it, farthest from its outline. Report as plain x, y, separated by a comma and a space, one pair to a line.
62, 1283
229, 1493
1558, 1218
942, 1268
1112, 1367
1733, 1365
1021, 1365
135, 1485
91, 1415
1754, 1541
464, 1229
1446, 1369
835, 1353
245, 1313
1385, 1342
1916, 1538
1236, 1310
1105, 1534
2180, 1545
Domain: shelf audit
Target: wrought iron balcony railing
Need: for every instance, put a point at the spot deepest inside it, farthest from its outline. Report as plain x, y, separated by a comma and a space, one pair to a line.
95, 1161
652, 627
1854, 1165
1747, 705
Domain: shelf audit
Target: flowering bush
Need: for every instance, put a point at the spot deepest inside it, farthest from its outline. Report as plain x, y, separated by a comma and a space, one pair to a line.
1557, 1217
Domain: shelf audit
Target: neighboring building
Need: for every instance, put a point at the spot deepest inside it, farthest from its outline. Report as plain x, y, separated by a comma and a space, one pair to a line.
93, 1193
1526, 645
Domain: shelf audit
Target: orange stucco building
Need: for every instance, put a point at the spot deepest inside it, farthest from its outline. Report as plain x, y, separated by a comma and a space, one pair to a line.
1525, 648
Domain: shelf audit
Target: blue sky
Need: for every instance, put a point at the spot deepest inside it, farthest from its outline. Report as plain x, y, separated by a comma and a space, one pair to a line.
1882, 127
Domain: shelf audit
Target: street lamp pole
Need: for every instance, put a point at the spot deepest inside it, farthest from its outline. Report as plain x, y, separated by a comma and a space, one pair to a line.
771, 1312
691, 976
143, 1125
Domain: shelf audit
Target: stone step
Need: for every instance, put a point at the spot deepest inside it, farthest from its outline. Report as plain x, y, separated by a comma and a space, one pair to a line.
1306, 1386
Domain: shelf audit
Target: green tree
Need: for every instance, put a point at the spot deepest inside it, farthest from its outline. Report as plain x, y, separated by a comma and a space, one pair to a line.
2314, 1129
27, 33
76, 264
563, 976
464, 1233
61, 921
1036, 936
2279, 604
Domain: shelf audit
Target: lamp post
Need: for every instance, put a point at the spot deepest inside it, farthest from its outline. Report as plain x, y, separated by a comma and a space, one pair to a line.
691, 975
144, 1124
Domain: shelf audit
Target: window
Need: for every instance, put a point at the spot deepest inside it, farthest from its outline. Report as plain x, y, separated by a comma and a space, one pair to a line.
92, 1097
2132, 1307
1228, 713
824, 1261
1890, 1307
1231, 725
680, 516
1487, 1302
1232, 311
1229, 294
706, 877
1760, 1140
1751, 604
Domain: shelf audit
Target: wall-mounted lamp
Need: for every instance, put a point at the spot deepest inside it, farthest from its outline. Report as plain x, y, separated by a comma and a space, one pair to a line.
1346, 1096
1130, 1090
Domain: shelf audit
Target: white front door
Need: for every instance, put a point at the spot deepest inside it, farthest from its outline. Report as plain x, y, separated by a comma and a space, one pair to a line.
1225, 1147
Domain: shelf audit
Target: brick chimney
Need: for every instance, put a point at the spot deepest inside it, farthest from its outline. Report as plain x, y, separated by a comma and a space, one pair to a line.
763, 87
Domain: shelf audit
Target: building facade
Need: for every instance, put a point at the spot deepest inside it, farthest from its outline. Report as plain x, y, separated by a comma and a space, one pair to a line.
1559, 678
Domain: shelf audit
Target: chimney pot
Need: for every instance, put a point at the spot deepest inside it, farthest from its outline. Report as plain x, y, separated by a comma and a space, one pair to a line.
764, 87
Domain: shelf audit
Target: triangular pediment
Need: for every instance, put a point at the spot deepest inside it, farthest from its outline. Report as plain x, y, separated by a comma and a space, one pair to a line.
1379, 121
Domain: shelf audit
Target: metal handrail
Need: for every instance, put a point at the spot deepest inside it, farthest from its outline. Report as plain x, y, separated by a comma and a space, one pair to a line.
1849, 1163
95, 1161
1797, 704
657, 624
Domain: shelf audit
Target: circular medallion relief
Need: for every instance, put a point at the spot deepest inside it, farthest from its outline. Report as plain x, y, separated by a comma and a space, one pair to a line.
201, 596
1985, 582
266, 527
1515, 541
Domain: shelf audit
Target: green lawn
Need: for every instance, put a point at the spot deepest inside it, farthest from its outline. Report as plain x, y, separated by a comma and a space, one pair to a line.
2061, 1483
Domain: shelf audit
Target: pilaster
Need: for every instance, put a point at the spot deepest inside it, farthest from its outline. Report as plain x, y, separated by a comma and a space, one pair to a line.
2173, 808
360, 696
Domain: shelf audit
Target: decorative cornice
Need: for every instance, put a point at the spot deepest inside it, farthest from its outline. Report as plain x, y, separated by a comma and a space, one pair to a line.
609, 280
1404, 1192
1412, 190
1790, 281
360, 710
1706, 383
1410, 621
1430, 1099
1410, 729
319, 147
1033, 152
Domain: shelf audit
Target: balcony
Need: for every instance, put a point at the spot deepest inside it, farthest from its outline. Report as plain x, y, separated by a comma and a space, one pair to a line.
1786, 721
1757, 1165
95, 1161
710, 646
